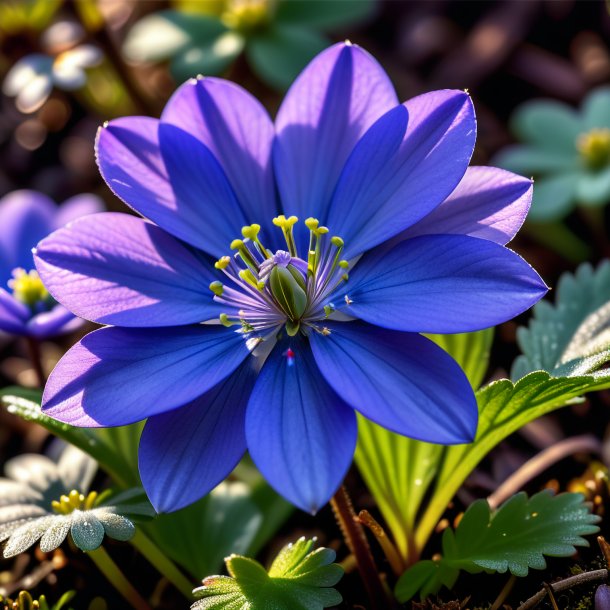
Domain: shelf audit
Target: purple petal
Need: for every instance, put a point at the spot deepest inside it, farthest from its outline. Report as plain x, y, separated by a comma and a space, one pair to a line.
130, 160
300, 434
185, 453
402, 381
13, 314
406, 165
206, 204
115, 268
488, 203
340, 94
442, 284
237, 130
117, 376
77, 206
57, 321
25, 218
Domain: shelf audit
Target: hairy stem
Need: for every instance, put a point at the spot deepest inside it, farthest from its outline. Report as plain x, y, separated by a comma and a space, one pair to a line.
355, 538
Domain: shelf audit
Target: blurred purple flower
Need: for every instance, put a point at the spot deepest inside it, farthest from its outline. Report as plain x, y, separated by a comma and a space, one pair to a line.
26, 217
421, 235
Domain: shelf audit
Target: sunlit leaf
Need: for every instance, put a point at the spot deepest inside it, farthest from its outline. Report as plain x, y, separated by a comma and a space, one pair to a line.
299, 579
516, 537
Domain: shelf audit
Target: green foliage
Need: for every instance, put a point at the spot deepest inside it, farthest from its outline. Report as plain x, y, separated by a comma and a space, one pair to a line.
233, 518
516, 537
299, 579
115, 449
571, 337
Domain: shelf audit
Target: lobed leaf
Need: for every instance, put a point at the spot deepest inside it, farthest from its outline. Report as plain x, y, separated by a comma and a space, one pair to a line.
299, 579
516, 537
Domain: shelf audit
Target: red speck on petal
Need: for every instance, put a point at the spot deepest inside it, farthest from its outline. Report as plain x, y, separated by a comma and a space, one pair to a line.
289, 354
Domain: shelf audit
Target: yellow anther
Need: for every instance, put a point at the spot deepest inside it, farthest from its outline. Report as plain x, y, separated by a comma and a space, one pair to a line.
237, 244
223, 263
337, 241
76, 498
343, 264
285, 223
312, 223
322, 230
247, 276
90, 500
251, 232
224, 320
217, 288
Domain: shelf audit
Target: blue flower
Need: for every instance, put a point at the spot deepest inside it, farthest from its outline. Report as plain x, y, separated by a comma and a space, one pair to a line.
236, 326
26, 308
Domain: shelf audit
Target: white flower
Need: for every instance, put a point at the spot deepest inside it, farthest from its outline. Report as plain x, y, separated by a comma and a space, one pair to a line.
33, 77
46, 500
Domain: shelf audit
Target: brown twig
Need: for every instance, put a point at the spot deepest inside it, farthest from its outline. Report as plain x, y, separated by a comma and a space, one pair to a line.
586, 443
562, 585
36, 360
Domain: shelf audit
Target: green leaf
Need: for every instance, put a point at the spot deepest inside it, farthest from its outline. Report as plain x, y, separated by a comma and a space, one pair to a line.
232, 518
299, 579
571, 337
278, 54
327, 15
115, 449
516, 537
397, 470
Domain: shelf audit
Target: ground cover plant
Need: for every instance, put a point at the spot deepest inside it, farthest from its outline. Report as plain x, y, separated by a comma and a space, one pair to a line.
322, 320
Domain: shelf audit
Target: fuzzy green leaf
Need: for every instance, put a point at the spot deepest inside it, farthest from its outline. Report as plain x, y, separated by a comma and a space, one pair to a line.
516, 537
571, 337
299, 579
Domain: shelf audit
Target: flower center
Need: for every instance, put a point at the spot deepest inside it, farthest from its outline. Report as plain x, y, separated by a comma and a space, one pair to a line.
281, 288
594, 147
246, 15
28, 288
74, 501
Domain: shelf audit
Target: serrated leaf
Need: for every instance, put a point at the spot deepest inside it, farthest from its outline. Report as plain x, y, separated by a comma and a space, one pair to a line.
571, 337
299, 579
516, 537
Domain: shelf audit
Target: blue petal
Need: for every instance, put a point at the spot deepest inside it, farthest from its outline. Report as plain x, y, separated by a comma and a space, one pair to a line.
441, 284
25, 218
14, 315
117, 269
402, 381
185, 453
300, 434
130, 160
406, 164
238, 131
205, 200
338, 96
116, 376
52, 323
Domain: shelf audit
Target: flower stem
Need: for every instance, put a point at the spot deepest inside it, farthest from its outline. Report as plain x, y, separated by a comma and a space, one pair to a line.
164, 565
355, 538
36, 360
118, 580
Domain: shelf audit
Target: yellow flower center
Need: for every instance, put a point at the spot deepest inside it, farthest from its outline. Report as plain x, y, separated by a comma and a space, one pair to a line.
27, 287
246, 15
594, 147
74, 501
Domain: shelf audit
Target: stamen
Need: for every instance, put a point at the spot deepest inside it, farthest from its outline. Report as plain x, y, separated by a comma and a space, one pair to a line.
287, 225
246, 255
217, 288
